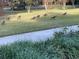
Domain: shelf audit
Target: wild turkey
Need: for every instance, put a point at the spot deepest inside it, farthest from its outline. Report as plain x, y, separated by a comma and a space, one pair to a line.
33, 17
19, 17
64, 13
38, 16
45, 14
8, 18
53, 17
3, 22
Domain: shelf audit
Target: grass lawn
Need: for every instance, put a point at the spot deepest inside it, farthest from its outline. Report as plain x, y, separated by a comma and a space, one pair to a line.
26, 24
61, 47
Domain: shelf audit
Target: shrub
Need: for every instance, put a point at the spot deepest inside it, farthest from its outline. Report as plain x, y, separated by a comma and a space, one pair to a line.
61, 47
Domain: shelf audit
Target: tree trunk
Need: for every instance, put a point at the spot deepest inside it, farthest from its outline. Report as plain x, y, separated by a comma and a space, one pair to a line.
29, 8
63, 4
73, 1
45, 7
45, 3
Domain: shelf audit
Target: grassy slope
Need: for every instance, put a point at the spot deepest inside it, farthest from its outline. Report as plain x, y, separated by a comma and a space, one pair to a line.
61, 47
27, 25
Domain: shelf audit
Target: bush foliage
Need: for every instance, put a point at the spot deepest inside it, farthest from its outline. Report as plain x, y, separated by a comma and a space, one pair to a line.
61, 47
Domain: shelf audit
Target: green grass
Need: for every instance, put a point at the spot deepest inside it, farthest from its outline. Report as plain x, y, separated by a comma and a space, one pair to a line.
26, 24
61, 47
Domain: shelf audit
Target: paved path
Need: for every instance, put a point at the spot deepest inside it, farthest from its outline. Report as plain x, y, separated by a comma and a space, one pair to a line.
34, 36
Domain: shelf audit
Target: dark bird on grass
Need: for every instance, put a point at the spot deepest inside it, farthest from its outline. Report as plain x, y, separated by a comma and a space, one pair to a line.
8, 18
53, 17
45, 14
64, 13
33, 17
19, 17
38, 16
3, 22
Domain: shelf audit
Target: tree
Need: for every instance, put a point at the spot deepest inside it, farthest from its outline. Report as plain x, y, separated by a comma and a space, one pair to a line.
48, 3
45, 2
64, 4
73, 1
29, 3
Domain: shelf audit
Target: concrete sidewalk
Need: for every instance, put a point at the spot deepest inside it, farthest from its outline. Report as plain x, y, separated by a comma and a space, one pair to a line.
35, 36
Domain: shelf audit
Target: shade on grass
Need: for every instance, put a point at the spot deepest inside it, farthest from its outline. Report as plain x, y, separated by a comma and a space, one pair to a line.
61, 47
